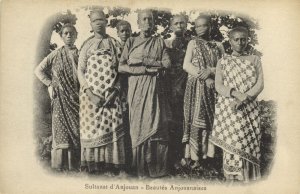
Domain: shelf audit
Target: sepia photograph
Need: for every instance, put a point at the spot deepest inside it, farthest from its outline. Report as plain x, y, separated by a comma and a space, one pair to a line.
148, 97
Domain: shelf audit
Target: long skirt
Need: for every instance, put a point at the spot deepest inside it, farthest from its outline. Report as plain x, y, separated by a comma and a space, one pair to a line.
95, 158
198, 118
65, 151
101, 128
151, 158
237, 168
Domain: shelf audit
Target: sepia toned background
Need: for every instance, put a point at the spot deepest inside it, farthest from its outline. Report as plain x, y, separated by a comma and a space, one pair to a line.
21, 24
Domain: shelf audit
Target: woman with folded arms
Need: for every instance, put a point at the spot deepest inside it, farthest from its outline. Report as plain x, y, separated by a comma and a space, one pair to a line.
239, 80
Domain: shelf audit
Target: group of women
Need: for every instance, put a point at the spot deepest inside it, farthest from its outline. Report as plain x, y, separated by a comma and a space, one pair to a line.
147, 105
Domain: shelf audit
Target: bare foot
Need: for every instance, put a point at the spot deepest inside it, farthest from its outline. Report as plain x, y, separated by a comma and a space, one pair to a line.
185, 161
195, 165
122, 174
109, 174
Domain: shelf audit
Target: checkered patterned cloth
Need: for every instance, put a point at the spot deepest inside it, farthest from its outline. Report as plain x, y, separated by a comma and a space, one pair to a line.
238, 132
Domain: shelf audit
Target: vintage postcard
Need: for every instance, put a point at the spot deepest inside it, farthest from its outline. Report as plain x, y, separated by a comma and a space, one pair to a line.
149, 96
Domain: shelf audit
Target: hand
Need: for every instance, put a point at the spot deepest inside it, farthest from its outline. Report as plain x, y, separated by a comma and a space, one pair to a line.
97, 100
210, 83
134, 61
111, 98
251, 98
151, 62
152, 70
235, 105
148, 61
240, 96
51, 92
204, 74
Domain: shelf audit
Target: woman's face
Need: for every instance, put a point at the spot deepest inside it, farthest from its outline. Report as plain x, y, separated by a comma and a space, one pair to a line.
69, 36
238, 41
98, 23
178, 25
145, 21
124, 32
201, 26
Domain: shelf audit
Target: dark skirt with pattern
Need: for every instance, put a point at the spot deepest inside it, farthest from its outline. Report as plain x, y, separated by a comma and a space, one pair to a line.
198, 108
65, 113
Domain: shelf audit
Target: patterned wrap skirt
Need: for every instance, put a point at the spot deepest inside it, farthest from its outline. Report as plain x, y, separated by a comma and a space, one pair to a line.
101, 128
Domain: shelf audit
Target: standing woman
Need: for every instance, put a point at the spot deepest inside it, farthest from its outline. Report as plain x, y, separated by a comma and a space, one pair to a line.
101, 124
200, 61
239, 80
177, 77
124, 32
58, 71
144, 58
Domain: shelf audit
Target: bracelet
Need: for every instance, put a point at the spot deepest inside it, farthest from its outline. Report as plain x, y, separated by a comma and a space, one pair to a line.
84, 89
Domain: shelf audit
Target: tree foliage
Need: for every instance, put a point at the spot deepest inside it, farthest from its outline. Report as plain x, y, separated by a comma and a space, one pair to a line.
220, 21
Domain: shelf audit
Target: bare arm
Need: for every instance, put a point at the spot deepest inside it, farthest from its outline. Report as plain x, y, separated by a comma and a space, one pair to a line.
259, 85
165, 61
187, 64
42, 71
138, 70
82, 63
221, 52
